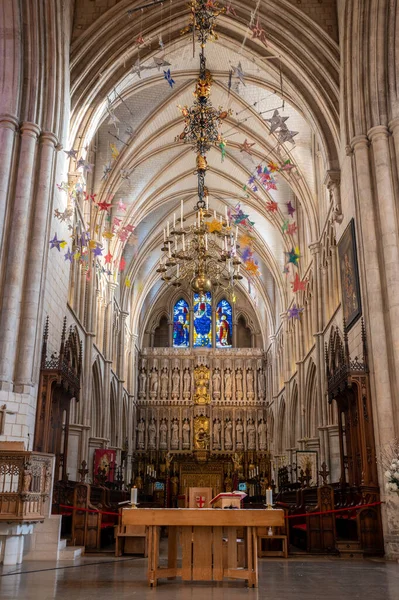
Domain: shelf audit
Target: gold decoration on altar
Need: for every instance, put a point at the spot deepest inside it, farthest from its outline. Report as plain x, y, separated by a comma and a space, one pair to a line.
201, 383
201, 433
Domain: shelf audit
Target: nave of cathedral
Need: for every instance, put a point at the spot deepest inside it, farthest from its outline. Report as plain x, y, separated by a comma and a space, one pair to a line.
198, 304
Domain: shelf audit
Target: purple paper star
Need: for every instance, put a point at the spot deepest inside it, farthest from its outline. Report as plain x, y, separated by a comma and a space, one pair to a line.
98, 251
71, 153
55, 243
294, 312
291, 209
68, 255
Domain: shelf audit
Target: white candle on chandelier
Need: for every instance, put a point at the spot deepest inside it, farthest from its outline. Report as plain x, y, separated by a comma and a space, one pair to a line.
167, 229
174, 220
178, 270
164, 234
206, 241
184, 243
181, 214
214, 214
169, 252
207, 201
236, 232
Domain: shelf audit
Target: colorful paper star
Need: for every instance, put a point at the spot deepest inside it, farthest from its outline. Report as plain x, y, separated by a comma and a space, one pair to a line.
114, 151
98, 251
128, 283
122, 264
290, 208
222, 147
294, 312
292, 229
121, 205
55, 243
287, 166
258, 32
272, 166
108, 235
294, 256
284, 226
104, 205
238, 72
168, 77
68, 255
246, 147
214, 225
108, 258
107, 168
285, 135
298, 285
272, 206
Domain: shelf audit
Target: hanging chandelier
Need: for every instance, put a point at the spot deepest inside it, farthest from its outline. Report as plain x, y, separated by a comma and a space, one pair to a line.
204, 254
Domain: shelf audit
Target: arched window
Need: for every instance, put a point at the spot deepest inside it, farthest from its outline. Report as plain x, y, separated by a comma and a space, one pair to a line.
224, 325
181, 324
203, 320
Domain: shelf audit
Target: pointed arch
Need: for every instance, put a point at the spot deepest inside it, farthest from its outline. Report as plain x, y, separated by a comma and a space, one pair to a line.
181, 324
97, 413
224, 324
311, 401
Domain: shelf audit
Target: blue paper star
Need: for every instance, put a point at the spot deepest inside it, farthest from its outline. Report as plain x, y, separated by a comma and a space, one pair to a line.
294, 312
98, 251
168, 77
55, 243
68, 255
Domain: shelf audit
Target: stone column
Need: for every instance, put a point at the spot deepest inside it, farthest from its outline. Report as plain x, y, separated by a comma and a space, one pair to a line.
373, 296
8, 128
17, 252
36, 262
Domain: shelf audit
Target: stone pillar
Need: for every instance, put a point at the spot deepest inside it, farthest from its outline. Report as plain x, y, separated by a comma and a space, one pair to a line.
17, 252
36, 262
8, 128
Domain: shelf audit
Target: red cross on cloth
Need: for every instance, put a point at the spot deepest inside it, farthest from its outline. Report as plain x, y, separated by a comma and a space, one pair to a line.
200, 500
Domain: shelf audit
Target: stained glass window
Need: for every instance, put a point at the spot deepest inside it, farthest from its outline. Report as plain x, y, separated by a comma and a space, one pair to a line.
203, 320
181, 324
224, 325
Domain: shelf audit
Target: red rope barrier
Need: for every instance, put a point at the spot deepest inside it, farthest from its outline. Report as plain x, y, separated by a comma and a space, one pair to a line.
102, 512
337, 510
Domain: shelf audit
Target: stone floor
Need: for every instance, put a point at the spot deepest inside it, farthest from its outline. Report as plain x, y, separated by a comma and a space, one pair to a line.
106, 578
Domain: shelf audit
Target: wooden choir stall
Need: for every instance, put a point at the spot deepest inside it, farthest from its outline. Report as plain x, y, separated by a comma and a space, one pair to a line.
201, 534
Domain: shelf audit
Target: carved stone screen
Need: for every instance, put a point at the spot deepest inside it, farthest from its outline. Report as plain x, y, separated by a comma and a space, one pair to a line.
181, 324
224, 325
203, 320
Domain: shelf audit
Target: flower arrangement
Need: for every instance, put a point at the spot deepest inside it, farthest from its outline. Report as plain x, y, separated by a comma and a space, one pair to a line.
390, 464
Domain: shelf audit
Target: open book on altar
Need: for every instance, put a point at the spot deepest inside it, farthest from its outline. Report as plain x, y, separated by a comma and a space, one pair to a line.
228, 500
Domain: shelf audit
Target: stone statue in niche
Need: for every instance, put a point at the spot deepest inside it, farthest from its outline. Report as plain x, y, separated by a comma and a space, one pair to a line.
251, 435
217, 428
152, 433
163, 435
154, 383
262, 434
142, 383
186, 383
239, 434
239, 384
164, 383
174, 440
140, 434
228, 435
228, 483
216, 383
228, 384
175, 382
261, 384
186, 434
250, 383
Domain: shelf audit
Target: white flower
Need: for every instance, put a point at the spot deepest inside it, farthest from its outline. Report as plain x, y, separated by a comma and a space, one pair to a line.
387, 474
393, 466
394, 487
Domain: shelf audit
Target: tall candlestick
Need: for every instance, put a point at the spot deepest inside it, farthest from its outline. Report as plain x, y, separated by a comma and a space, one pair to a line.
133, 495
269, 498
181, 214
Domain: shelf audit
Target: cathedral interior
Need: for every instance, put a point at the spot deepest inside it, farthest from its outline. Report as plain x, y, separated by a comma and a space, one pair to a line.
199, 252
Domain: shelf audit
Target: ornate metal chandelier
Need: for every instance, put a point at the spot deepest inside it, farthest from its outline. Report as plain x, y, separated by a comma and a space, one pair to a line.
204, 254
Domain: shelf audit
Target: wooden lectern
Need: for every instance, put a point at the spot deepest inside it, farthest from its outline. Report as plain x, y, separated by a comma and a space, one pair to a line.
228, 500
199, 497
201, 538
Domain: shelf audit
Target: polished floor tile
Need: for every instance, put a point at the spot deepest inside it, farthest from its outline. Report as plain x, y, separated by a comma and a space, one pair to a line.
106, 578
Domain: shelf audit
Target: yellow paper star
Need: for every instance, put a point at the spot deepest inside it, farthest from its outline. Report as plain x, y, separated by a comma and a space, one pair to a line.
92, 244
63, 244
114, 151
246, 240
108, 235
214, 226
252, 267
128, 283
76, 256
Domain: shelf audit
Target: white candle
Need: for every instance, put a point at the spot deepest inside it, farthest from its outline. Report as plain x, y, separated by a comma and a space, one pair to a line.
184, 244
269, 497
133, 495
164, 234
174, 220
207, 202
236, 232
181, 214
214, 214
167, 229
206, 241
178, 270
169, 253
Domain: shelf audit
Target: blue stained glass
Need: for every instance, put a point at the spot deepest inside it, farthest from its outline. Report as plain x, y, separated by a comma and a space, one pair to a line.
181, 324
224, 325
203, 320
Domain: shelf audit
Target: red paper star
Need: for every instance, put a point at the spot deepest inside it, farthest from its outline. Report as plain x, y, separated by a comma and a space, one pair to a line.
298, 285
272, 206
104, 206
292, 229
122, 264
108, 258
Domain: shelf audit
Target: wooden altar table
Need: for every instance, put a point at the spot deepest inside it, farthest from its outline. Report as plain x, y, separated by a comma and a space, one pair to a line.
201, 537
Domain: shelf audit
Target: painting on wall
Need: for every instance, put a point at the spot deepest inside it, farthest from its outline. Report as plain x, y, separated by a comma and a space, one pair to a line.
181, 324
203, 320
350, 285
104, 462
224, 325
307, 459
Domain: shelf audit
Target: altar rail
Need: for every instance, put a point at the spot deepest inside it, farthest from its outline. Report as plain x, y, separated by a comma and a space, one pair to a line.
25, 485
